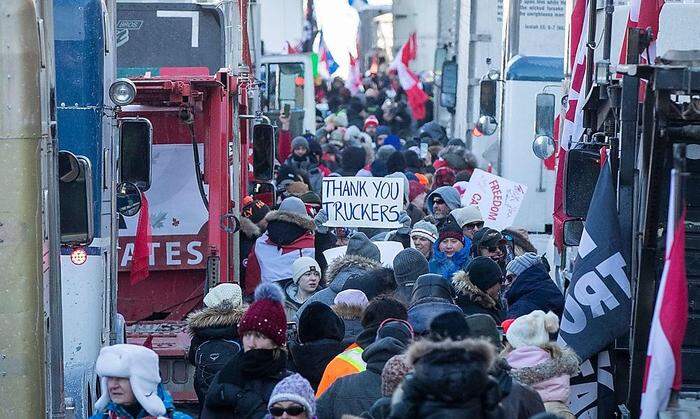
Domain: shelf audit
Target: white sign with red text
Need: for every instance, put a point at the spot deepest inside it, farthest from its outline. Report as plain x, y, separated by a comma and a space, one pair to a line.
498, 199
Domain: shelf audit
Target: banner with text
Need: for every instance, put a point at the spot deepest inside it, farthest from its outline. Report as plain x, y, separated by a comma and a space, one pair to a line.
498, 198
373, 202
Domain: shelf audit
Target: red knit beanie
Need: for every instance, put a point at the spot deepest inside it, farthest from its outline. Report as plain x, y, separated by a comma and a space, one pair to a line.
266, 314
444, 176
415, 189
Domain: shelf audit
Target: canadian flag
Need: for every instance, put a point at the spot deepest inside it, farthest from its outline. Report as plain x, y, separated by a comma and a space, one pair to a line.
663, 367
408, 80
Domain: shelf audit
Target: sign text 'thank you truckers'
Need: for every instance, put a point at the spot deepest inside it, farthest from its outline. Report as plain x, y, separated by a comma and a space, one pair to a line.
363, 201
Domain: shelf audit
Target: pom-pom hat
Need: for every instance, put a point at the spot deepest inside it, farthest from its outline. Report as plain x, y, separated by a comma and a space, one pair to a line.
297, 389
224, 292
266, 314
532, 329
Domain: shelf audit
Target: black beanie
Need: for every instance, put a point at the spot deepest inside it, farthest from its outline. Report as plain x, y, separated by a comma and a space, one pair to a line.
318, 321
373, 283
382, 308
396, 162
484, 272
449, 325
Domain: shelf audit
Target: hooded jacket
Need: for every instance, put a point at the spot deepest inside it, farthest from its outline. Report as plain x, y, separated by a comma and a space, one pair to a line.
450, 380
352, 317
431, 297
534, 290
288, 237
446, 266
116, 410
338, 272
449, 194
519, 400
547, 370
354, 394
472, 300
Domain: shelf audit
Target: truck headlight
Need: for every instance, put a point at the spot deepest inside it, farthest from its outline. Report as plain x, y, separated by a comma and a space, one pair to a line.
122, 92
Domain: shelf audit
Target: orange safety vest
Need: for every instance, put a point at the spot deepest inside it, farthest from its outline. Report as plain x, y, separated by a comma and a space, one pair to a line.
347, 363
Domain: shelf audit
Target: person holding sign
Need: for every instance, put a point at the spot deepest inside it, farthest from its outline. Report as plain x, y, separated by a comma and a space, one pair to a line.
449, 252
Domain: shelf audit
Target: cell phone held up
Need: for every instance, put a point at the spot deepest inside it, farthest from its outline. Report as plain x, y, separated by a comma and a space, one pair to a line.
286, 110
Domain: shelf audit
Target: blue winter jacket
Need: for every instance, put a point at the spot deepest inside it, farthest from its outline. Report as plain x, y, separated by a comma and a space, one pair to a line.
121, 413
534, 290
442, 265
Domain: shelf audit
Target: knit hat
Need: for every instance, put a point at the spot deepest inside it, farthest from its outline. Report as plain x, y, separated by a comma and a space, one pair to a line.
297, 389
484, 272
318, 321
137, 363
450, 229
371, 121
383, 130
255, 211
444, 176
385, 151
523, 262
336, 138
228, 291
466, 215
351, 297
266, 314
294, 205
393, 373
360, 245
303, 265
382, 308
415, 189
341, 119
396, 162
397, 329
406, 185
488, 237
409, 264
394, 141
373, 283
426, 230
532, 329
300, 142
449, 325
484, 326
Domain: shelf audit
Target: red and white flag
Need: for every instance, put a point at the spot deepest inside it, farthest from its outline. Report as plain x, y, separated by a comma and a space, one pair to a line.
142, 245
408, 80
354, 80
663, 366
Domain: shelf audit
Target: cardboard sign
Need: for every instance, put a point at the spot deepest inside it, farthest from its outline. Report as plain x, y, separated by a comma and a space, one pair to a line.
388, 250
374, 202
498, 198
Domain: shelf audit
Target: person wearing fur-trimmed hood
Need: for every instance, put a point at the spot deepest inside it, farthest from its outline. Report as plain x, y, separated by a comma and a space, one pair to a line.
131, 386
478, 288
450, 379
289, 235
216, 325
539, 362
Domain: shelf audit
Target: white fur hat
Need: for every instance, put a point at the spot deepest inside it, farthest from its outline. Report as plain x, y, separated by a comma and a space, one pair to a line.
303, 265
137, 363
224, 292
532, 329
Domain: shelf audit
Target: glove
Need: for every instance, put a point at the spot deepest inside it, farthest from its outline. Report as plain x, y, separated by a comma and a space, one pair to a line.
320, 219
405, 221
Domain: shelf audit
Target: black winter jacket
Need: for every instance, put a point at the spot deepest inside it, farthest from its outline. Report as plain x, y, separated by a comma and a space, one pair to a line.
356, 393
310, 359
519, 401
534, 290
472, 300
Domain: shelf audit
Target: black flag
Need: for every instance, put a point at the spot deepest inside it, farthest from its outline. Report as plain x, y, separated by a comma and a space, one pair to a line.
598, 301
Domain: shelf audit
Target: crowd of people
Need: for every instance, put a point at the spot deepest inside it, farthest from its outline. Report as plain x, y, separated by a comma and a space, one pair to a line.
461, 323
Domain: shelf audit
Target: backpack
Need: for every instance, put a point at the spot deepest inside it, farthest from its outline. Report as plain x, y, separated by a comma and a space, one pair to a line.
210, 358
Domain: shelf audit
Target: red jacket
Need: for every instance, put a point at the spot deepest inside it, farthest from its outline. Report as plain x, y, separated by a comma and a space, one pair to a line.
284, 145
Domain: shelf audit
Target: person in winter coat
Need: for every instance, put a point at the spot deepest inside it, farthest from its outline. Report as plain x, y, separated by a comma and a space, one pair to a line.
470, 220
373, 283
478, 288
253, 224
351, 361
292, 397
409, 264
321, 336
302, 159
306, 278
356, 393
441, 201
540, 363
431, 296
423, 235
449, 380
361, 256
449, 252
130, 383
490, 243
289, 236
214, 331
393, 374
349, 305
243, 387
531, 288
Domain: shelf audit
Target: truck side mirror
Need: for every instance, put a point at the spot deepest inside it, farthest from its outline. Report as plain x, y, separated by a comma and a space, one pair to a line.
75, 199
128, 199
135, 143
448, 85
487, 123
582, 169
263, 151
543, 144
573, 230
